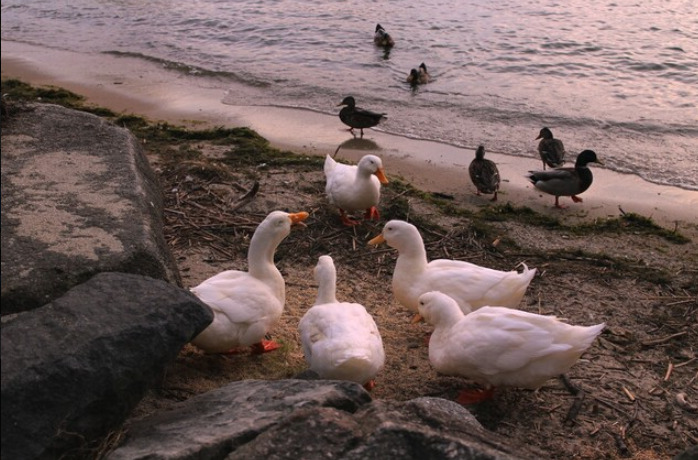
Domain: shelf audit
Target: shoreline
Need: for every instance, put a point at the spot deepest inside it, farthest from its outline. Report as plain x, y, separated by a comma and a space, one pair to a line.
134, 86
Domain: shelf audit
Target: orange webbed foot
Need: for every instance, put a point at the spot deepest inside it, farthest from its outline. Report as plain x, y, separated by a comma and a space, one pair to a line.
576, 199
346, 220
370, 385
474, 396
372, 213
265, 346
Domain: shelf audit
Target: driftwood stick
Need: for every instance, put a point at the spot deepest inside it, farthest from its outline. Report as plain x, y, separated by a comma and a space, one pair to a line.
661, 340
247, 197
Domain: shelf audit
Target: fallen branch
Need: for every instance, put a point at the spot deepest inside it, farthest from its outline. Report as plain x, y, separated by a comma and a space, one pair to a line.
661, 340
247, 197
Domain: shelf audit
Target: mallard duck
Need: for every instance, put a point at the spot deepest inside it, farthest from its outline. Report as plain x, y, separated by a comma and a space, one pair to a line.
551, 150
500, 347
419, 76
472, 286
382, 38
355, 187
340, 339
246, 305
566, 181
484, 174
356, 117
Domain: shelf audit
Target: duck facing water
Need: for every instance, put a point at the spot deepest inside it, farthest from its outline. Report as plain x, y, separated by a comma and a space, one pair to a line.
484, 173
566, 181
340, 339
551, 150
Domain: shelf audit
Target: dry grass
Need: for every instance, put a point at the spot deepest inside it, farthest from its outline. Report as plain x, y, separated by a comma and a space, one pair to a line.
643, 286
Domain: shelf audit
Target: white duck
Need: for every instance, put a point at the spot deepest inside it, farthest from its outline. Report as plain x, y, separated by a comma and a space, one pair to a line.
500, 347
470, 285
340, 339
246, 305
355, 187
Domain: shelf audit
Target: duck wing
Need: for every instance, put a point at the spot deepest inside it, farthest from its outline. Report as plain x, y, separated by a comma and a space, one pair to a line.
340, 340
517, 348
552, 152
357, 117
473, 284
485, 175
559, 182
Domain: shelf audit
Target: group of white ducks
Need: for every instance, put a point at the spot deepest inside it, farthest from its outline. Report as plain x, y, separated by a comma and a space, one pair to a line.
478, 331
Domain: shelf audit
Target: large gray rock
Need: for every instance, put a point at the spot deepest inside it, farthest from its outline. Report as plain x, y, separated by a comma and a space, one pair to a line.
78, 198
73, 370
423, 428
215, 423
310, 419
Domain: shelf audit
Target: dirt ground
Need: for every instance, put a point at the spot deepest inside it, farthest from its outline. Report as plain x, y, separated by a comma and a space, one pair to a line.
638, 380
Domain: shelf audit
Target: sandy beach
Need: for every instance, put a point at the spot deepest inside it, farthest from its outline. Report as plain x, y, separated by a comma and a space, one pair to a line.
133, 86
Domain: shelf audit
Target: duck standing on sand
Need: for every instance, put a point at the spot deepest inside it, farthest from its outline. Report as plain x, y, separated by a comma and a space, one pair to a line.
355, 187
551, 150
382, 38
246, 305
356, 117
484, 173
419, 76
472, 286
500, 347
566, 181
340, 339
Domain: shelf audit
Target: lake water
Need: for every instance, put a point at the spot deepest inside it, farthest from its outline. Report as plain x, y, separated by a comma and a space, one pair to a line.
618, 77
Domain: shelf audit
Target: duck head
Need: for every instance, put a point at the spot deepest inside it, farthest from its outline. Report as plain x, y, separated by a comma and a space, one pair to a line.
545, 133
349, 101
586, 157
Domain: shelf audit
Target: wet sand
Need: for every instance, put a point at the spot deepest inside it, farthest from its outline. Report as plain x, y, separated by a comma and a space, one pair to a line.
134, 86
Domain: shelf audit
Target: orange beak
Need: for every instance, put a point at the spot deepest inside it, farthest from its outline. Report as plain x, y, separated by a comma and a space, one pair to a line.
298, 218
380, 174
375, 241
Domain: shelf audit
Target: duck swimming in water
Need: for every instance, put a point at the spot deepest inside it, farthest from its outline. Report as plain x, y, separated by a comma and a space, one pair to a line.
419, 76
484, 173
382, 38
566, 181
356, 117
551, 150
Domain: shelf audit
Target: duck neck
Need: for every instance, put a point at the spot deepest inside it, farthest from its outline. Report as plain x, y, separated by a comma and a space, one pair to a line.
327, 289
260, 262
446, 318
585, 177
412, 259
